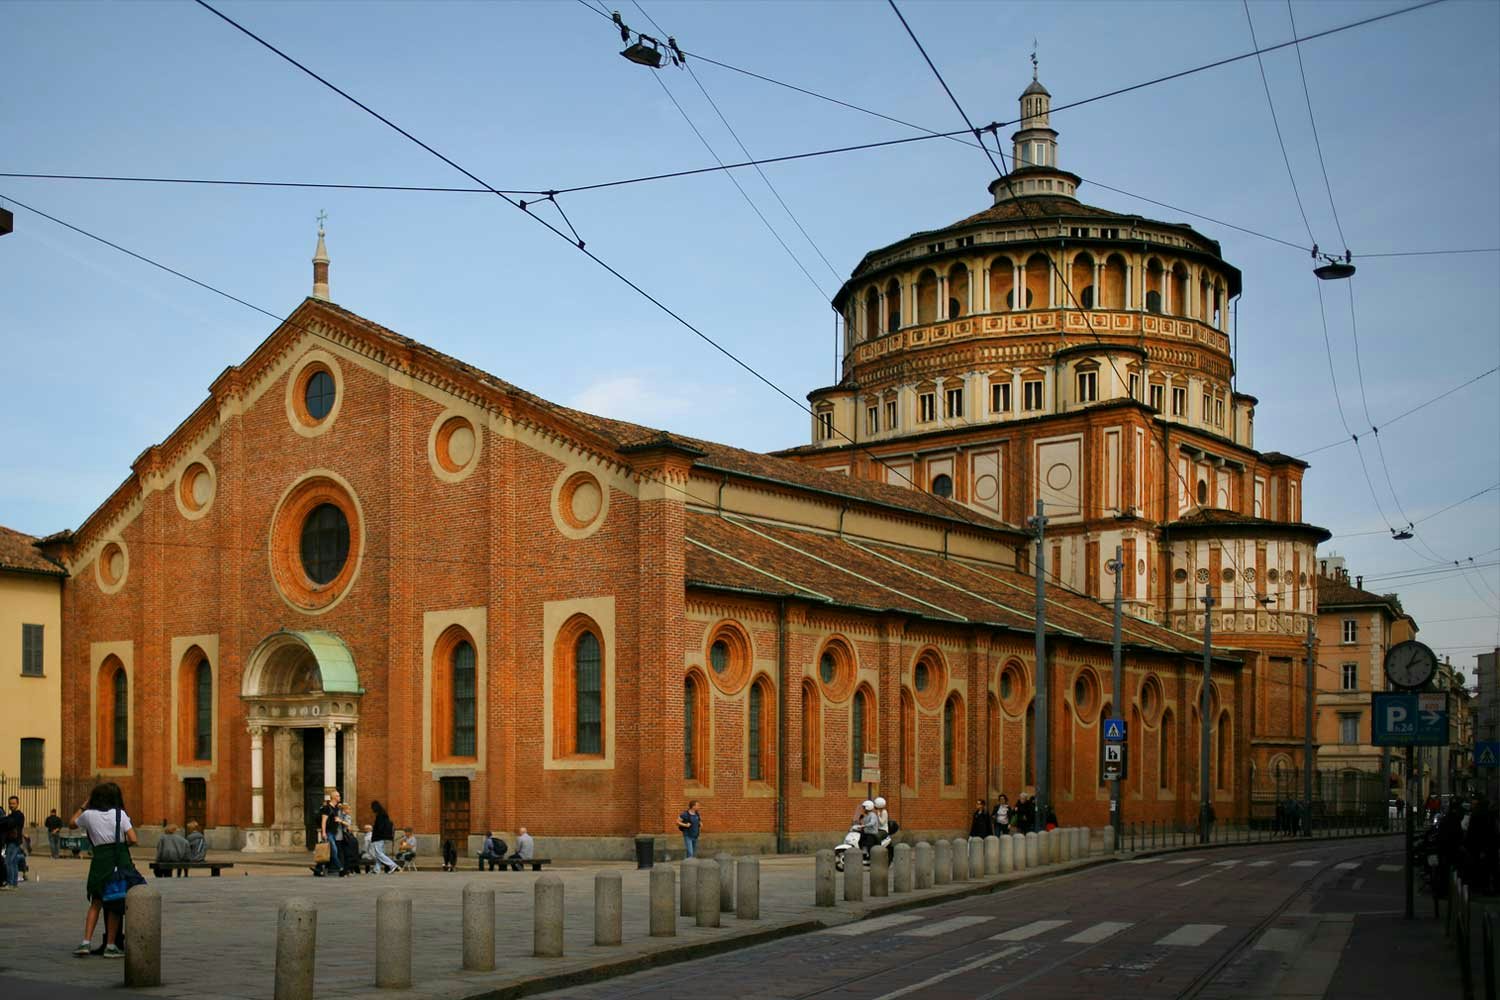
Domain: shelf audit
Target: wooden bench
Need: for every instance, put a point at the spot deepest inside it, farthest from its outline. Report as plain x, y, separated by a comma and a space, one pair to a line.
505, 863
76, 843
165, 869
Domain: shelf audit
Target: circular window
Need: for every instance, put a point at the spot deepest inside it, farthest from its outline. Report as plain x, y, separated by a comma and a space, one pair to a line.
930, 679
729, 656
1202, 576
1202, 491
1007, 686
1012, 685
1249, 574
196, 488
318, 394
836, 669
111, 567
1272, 575
325, 543
316, 542
1179, 575
1151, 699
1302, 580
1228, 575
942, 486
581, 504
456, 444
1086, 695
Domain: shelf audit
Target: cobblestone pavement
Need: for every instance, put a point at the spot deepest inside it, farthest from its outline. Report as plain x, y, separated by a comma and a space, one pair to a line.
1269, 920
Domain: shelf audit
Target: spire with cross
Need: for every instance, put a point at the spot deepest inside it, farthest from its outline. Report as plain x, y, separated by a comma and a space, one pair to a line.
320, 262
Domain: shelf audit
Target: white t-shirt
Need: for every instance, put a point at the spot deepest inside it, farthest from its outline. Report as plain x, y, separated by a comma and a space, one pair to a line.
100, 826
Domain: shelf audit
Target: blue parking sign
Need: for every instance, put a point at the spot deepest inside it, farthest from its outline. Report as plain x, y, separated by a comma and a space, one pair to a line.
1409, 719
1114, 730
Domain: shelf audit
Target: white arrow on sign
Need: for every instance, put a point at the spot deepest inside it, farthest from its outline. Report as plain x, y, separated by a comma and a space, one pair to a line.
1430, 717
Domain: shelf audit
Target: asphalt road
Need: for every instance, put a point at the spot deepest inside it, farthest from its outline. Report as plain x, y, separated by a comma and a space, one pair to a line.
1225, 923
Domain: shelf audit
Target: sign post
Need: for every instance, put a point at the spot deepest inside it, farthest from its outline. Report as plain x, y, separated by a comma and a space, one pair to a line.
1409, 719
1113, 756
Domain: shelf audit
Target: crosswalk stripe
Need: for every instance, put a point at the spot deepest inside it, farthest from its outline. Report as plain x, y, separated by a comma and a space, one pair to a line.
1305, 864
967, 967
1186, 861
1279, 939
944, 926
875, 924
1143, 861
1190, 935
1260, 864
1099, 932
1347, 866
1030, 930
1388, 868
1226, 864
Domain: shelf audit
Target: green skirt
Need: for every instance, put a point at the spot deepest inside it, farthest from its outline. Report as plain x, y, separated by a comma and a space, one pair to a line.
107, 857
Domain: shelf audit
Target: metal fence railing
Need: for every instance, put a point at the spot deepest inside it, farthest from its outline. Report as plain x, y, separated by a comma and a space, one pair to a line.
38, 799
1156, 834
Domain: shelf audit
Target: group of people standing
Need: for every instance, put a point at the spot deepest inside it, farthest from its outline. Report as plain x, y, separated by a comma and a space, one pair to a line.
1006, 819
350, 849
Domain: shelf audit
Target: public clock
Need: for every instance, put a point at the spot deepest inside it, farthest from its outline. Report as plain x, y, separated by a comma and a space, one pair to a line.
1410, 665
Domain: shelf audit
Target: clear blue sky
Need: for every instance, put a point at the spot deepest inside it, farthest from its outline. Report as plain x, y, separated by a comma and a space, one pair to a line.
104, 356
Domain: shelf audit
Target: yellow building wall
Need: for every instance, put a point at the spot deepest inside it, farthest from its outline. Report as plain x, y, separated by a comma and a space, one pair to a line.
32, 706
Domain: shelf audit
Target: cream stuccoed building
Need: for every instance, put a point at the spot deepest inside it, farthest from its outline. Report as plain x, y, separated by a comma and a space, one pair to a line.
1047, 350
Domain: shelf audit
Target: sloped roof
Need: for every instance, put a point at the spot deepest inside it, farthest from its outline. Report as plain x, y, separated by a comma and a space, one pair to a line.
19, 554
1210, 519
731, 553
1338, 593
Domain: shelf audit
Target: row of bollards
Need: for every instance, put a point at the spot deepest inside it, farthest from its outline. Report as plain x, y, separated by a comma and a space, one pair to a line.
909, 867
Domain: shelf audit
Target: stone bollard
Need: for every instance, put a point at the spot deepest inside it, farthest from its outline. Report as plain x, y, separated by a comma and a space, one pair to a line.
393, 940
854, 878
1085, 842
901, 877
689, 887
708, 894
880, 871
992, 854
823, 891
1008, 854
663, 902
960, 859
1109, 840
296, 949
1067, 845
976, 857
142, 936
747, 888
942, 863
547, 918
479, 927
1054, 846
726, 883
1033, 849
926, 865
609, 902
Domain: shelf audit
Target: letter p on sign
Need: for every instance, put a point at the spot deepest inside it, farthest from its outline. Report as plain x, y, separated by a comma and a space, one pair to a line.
1395, 717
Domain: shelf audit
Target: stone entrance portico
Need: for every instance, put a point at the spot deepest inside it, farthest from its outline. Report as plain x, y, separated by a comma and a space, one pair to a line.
297, 681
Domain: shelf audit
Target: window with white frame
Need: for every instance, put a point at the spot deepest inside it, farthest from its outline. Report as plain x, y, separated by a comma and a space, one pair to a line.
1348, 728
1219, 411
1208, 407
1031, 394
1158, 396
890, 414
1179, 401
1349, 679
1088, 387
1000, 397
825, 425
953, 403
1351, 631
872, 419
926, 407
1135, 386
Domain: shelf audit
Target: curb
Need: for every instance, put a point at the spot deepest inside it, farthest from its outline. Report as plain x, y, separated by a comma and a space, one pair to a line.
1152, 852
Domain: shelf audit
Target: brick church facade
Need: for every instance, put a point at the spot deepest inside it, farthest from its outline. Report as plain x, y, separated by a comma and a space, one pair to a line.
363, 564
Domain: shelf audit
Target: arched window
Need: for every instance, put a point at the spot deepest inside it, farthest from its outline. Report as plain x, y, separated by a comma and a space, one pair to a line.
953, 740
758, 728
927, 284
992, 731
1182, 301
1030, 751
119, 751
1166, 740
908, 739
812, 734
958, 291
1156, 277
464, 701
892, 306
942, 485
872, 313
589, 695
203, 712
694, 729
857, 736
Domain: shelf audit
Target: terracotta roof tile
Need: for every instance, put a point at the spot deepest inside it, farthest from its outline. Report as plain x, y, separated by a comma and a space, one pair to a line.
18, 553
1334, 593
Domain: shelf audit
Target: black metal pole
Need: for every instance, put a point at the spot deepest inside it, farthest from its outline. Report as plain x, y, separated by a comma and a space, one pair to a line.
1117, 686
1040, 717
1203, 706
1410, 888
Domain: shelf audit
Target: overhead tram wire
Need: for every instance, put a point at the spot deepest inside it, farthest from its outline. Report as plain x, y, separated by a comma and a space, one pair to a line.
1276, 123
1429, 517
1406, 413
1317, 143
967, 513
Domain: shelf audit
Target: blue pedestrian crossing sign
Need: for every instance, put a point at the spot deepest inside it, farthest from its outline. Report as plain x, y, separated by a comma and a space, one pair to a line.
1487, 753
1114, 730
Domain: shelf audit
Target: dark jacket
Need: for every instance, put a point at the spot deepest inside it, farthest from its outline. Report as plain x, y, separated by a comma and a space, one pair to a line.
981, 825
384, 829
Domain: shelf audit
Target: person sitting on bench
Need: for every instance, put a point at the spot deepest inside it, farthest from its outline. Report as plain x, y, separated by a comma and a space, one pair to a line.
492, 852
197, 843
525, 850
171, 849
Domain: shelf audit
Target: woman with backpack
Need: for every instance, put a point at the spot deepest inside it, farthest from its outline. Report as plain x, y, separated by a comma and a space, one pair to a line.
111, 833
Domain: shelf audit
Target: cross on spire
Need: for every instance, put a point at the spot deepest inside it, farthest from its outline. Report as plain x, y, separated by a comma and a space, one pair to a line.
323, 216
1033, 59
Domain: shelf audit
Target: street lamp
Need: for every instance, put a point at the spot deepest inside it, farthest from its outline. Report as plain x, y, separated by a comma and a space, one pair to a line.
1332, 268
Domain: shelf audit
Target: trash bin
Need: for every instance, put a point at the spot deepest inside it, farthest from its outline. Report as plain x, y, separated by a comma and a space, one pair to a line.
645, 850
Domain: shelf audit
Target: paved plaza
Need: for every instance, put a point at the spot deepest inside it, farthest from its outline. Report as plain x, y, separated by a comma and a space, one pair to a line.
219, 934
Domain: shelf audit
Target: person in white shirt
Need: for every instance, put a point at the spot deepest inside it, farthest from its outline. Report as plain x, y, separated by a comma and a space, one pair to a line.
111, 833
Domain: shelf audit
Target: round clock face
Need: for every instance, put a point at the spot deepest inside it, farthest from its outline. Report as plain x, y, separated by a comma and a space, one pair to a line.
1409, 664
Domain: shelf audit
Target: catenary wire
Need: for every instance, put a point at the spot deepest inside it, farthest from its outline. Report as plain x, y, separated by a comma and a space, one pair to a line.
1406, 413
1317, 143
1428, 517
1277, 124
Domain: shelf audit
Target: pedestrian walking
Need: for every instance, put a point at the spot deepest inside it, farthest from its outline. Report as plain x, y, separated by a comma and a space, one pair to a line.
104, 820
382, 838
13, 835
690, 822
981, 825
328, 832
54, 825
1002, 816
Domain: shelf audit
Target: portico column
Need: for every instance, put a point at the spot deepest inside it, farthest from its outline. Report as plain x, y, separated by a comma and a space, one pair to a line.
984, 289
257, 777
330, 757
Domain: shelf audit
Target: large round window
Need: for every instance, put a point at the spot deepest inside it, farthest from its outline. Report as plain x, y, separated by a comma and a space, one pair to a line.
718, 656
325, 543
319, 394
